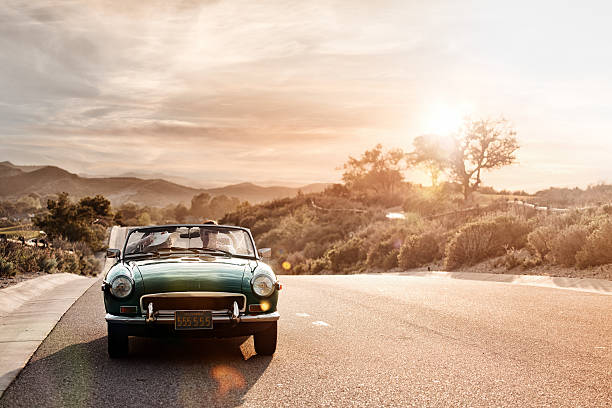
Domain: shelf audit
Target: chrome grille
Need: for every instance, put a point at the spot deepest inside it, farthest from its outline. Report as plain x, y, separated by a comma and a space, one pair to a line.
219, 301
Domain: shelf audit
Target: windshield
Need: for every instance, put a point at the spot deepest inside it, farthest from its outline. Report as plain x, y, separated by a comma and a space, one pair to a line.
176, 239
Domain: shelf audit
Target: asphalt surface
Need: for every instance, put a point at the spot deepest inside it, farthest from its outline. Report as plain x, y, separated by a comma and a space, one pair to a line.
349, 341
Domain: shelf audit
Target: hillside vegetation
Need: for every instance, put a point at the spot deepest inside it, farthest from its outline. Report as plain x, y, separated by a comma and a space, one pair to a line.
331, 233
345, 229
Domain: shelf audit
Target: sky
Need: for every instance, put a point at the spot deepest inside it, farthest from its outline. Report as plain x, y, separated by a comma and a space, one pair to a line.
282, 92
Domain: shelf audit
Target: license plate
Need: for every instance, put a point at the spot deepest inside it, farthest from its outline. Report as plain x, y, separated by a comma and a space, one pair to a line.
193, 319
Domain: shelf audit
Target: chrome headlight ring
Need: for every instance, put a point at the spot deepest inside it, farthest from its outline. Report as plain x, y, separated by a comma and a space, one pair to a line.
263, 285
121, 286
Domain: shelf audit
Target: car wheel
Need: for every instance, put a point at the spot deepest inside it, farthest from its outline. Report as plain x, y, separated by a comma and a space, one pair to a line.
118, 344
265, 341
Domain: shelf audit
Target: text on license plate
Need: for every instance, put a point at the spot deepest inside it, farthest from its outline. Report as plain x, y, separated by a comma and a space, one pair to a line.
193, 319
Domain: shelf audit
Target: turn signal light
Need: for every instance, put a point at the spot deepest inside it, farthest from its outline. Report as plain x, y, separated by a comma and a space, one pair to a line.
255, 308
127, 309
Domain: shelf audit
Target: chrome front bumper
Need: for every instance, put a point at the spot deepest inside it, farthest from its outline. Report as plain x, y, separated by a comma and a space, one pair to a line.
217, 318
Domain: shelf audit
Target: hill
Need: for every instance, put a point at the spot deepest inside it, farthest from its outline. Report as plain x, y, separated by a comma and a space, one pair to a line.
17, 181
256, 194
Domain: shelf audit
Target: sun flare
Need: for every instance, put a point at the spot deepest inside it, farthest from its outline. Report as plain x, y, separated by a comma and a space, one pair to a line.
442, 119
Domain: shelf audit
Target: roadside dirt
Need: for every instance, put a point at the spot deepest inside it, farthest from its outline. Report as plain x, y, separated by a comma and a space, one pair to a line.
489, 266
5, 282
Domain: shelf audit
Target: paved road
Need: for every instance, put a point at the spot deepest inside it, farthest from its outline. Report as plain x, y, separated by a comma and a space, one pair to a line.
349, 340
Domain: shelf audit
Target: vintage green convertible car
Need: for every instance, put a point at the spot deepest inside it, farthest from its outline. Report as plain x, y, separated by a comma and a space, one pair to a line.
203, 280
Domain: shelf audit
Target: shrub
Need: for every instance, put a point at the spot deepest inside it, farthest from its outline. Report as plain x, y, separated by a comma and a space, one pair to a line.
47, 264
597, 249
346, 255
383, 254
607, 209
532, 262
513, 258
6, 268
419, 250
485, 238
541, 240
27, 259
314, 250
317, 266
248, 221
567, 243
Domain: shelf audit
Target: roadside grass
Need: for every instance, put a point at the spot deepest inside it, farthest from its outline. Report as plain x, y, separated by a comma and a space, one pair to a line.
27, 234
311, 240
17, 259
28, 231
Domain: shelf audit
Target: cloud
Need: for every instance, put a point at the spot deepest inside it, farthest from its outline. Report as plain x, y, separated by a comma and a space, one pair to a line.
263, 89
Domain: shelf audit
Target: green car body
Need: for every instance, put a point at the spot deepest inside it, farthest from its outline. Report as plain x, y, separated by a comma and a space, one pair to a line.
190, 281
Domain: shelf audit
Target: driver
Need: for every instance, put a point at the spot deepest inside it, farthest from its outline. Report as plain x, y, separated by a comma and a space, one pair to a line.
151, 241
214, 239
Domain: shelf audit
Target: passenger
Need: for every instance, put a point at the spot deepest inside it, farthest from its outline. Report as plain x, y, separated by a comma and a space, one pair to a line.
215, 239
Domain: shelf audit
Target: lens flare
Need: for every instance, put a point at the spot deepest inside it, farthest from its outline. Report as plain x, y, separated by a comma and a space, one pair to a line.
227, 378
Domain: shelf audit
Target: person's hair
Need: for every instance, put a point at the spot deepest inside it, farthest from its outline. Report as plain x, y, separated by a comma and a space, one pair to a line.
212, 222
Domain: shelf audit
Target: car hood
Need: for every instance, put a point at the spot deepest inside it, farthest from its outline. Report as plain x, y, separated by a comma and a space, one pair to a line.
192, 274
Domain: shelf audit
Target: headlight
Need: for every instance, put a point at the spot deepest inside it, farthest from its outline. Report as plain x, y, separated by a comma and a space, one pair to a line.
121, 287
263, 285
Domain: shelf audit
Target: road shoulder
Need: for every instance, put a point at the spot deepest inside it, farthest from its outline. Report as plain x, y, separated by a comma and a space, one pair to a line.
28, 313
599, 286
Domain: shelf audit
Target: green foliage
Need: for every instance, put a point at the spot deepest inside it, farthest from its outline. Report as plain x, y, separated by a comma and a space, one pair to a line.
484, 144
383, 255
597, 249
568, 197
420, 250
485, 238
76, 222
376, 173
428, 201
541, 239
346, 255
567, 244
7, 268
17, 259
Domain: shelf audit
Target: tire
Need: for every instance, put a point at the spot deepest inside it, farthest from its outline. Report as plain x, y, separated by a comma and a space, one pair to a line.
118, 343
265, 341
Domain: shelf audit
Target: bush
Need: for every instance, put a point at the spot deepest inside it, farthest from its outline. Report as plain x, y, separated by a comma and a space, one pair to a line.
317, 266
383, 254
6, 268
514, 258
346, 256
485, 238
47, 264
541, 240
567, 244
16, 259
419, 250
597, 249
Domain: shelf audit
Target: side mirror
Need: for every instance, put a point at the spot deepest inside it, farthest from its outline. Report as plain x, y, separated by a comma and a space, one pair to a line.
113, 253
265, 252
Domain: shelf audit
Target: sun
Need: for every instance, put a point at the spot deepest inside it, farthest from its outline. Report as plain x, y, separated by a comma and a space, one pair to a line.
442, 119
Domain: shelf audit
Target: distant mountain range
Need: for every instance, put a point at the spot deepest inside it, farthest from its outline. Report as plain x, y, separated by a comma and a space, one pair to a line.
16, 181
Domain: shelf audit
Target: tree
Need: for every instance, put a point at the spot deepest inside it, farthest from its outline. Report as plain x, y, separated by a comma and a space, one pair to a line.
483, 144
76, 222
429, 153
199, 205
97, 207
181, 212
375, 170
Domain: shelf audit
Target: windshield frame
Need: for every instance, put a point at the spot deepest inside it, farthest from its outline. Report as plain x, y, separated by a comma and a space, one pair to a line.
160, 228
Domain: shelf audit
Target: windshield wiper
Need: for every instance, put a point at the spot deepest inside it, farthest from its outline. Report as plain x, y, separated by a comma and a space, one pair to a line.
213, 250
160, 251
